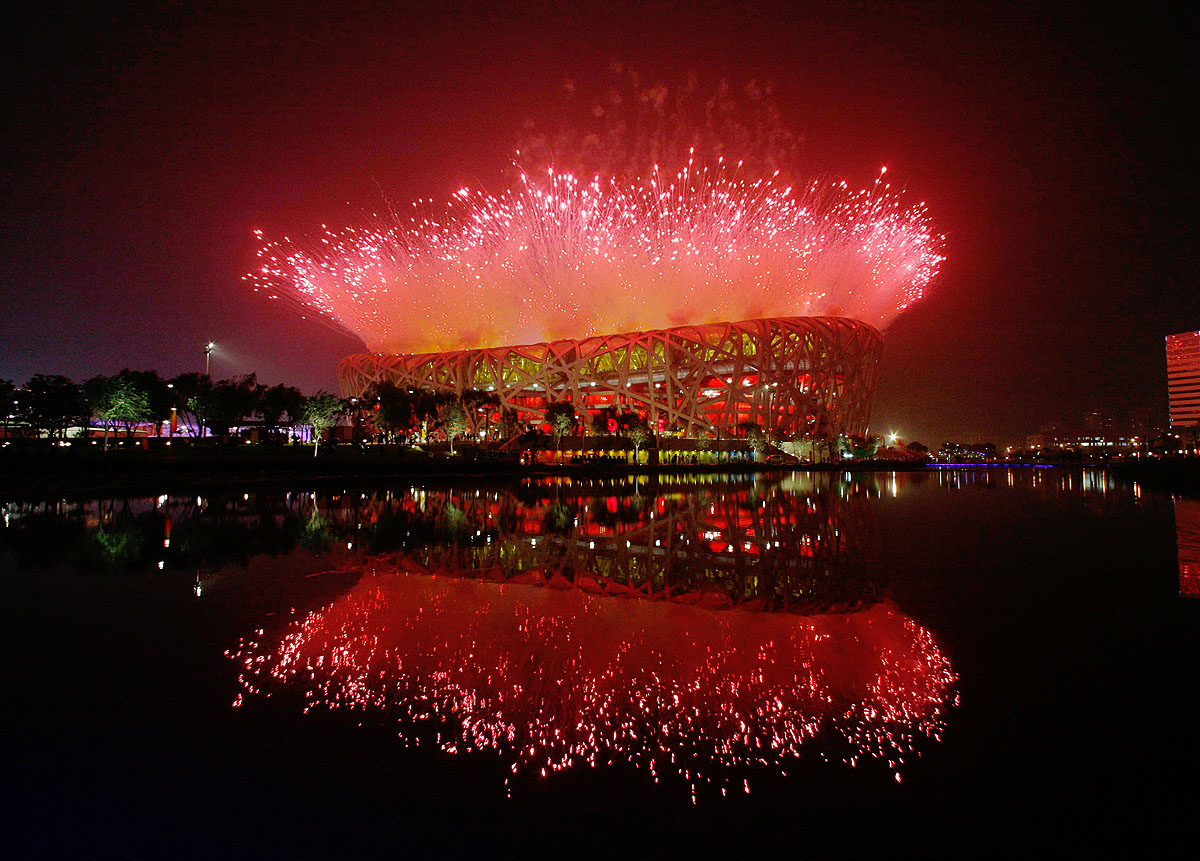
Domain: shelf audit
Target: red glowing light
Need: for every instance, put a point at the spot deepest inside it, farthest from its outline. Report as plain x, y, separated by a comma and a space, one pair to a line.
562, 258
556, 677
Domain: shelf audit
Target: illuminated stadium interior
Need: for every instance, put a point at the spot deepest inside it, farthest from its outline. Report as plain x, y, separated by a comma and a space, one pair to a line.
796, 377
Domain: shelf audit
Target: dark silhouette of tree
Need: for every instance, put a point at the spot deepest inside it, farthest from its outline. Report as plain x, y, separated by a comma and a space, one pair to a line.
53, 403
510, 424
480, 405
394, 408
274, 402
186, 389
606, 422
159, 396
9, 404
226, 403
425, 409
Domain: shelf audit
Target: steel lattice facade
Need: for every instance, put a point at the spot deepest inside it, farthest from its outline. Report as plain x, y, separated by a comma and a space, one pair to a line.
796, 376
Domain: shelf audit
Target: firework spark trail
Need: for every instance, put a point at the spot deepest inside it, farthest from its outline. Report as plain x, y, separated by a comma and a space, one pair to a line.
554, 679
559, 257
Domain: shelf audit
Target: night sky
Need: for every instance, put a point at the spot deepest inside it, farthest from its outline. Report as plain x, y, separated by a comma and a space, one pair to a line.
1054, 148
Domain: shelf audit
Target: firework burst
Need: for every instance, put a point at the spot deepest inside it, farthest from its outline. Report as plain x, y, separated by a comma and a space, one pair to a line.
559, 257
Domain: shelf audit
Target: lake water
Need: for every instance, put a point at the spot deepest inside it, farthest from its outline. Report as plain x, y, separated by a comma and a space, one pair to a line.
819, 660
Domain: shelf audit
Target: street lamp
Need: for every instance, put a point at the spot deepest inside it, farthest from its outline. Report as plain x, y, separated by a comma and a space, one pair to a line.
208, 348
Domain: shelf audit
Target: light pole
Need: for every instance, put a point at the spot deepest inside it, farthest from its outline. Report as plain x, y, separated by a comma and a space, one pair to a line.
208, 348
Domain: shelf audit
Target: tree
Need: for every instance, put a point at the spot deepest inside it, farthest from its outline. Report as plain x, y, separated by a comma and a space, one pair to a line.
755, 437
53, 403
159, 396
510, 425
117, 399
187, 389
454, 421
637, 430
805, 448
277, 401
915, 448
606, 422
478, 403
394, 408
320, 413
425, 408
864, 448
9, 404
841, 445
226, 403
561, 418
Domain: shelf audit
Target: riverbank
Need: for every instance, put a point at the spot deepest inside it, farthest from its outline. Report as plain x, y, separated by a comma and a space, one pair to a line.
53, 471
44, 471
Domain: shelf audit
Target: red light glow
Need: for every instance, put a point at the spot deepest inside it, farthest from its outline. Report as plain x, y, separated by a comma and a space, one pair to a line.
553, 678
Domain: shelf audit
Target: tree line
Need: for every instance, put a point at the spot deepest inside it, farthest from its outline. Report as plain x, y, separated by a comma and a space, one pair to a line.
50, 405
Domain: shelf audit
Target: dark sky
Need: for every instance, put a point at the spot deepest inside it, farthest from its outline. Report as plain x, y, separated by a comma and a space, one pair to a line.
1053, 146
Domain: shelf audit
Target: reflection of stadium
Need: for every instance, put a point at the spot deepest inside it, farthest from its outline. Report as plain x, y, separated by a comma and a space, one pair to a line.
796, 376
553, 679
805, 548
572, 622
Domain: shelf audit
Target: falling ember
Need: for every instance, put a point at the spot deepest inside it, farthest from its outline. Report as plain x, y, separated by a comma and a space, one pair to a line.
551, 679
560, 257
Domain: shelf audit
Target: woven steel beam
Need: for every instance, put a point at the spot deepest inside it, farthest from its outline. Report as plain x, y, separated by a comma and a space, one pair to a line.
795, 376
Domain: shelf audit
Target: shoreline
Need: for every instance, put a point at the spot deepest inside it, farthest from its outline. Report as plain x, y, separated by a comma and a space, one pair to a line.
58, 472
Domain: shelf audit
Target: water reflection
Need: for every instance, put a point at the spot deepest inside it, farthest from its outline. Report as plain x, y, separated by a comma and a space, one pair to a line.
552, 679
687, 630
691, 625
798, 546
1187, 536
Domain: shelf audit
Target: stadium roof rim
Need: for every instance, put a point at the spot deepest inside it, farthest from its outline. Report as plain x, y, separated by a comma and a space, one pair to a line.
829, 320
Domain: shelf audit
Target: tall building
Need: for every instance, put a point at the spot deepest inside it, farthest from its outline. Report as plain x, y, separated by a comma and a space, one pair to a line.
1183, 379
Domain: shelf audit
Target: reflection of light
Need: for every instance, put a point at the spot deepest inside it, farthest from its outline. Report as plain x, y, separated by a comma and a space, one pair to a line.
553, 678
1187, 536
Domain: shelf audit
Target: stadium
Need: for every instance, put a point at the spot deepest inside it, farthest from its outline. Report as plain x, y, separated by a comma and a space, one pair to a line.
811, 377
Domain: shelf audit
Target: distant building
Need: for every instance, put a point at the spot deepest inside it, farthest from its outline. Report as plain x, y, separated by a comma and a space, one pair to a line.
977, 452
1183, 379
1053, 442
1100, 422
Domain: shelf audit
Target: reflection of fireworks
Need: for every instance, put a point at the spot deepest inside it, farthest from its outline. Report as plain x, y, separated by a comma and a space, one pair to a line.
553, 679
565, 258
